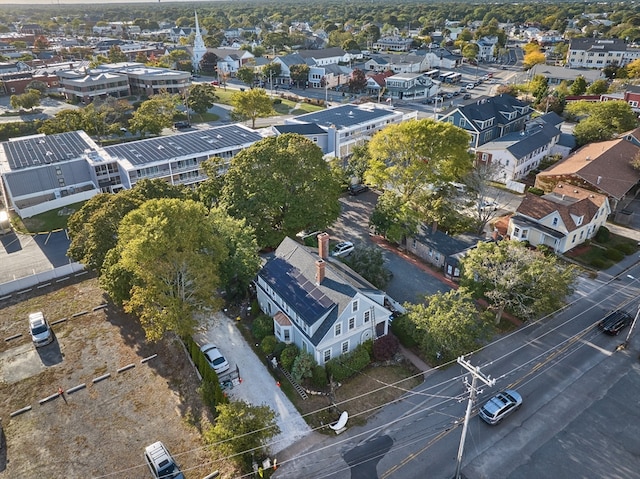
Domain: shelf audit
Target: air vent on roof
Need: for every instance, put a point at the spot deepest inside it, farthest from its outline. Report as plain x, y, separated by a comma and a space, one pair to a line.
219, 137
588, 158
41, 142
160, 147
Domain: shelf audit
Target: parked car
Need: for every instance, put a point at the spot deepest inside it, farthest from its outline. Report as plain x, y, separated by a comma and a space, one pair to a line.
500, 406
615, 322
488, 205
215, 358
161, 463
40, 330
355, 190
463, 90
448, 96
466, 96
180, 125
215, 83
342, 249
470, 86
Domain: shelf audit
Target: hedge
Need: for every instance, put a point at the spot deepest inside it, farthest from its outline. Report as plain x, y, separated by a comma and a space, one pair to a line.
347, 365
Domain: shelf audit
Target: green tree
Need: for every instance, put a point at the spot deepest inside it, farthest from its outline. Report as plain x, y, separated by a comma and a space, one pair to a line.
449, 325
201, 97
116, 55
299, 74
470, 51
601, 120
209, 62
281, 185
579, 86
271, 71
93, 229
37, 85
241, 429
409, 156
539, 87
246, 75
358, 162
241, 265
63, 121
28, 100
633, 69
512, 277
369, 263
171, 258
598, 87
154, 114
251, 104
394, 218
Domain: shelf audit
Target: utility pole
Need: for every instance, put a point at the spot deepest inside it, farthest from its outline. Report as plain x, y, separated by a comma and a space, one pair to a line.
476, 374
626, 341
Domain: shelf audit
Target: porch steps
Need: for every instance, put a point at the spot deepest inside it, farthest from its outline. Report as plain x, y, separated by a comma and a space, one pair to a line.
296, 386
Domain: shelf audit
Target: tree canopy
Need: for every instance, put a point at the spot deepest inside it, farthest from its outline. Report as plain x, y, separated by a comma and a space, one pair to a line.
251, 104
281, 185
201, 97
155, 114
510, 276
449, 325
601, 120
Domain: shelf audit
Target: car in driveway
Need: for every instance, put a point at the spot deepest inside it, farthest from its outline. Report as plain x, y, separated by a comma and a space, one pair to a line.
344, 248
215, 358
355, 190
615, 322
500, 406
40, 330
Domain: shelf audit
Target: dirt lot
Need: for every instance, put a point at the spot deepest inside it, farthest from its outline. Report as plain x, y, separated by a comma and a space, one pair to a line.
101, 430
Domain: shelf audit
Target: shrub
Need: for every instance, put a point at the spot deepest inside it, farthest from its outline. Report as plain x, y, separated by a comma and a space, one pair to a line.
613, 254
385, 348
405, 330
347, 365
319, 377
536, 191
288, 356
268, 345
262, 327
302, 366
627, 248
603, 235
277, 101
277, 351
597, 263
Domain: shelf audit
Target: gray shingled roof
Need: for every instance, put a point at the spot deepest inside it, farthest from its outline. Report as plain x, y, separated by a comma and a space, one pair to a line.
492, 107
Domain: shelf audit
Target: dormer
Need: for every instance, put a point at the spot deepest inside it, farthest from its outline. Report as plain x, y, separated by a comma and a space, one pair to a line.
577, 219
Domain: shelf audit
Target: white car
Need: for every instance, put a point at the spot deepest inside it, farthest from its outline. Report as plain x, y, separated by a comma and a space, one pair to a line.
500, 406
470, 86
342, 249
39, 328
215, 358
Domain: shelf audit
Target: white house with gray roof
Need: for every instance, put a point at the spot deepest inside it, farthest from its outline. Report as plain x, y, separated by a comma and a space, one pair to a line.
351, 125
318, 303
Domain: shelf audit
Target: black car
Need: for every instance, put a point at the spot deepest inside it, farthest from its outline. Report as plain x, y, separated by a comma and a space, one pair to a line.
179, 125
615, 322
355, 190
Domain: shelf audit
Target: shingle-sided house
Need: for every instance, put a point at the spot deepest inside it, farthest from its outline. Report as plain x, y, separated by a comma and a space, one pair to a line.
317, 303
440, 249
562, 219
490, 118
603, 167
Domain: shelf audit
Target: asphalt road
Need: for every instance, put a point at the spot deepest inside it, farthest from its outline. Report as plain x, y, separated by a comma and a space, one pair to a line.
580, 416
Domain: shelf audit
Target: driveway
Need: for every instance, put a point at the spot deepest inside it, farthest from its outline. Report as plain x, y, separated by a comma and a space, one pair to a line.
257, 386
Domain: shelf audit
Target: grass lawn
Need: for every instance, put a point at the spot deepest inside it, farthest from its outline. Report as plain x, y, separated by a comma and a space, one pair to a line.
286, 107
47, 221
598, 255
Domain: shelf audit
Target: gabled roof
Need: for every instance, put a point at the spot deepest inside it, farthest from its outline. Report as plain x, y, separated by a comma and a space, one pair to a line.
606, 165
442, 242
492, 107
379, 78
520, 144
292, 275
567, 200
292, 59
323, 53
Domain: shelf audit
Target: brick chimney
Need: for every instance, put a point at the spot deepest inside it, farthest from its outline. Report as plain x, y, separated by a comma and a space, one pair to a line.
323, 245
320, 264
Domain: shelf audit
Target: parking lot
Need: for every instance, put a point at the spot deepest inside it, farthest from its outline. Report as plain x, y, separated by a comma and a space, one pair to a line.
122, 404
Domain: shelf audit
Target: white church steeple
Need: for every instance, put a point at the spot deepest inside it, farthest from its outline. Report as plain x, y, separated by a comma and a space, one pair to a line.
199, 49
